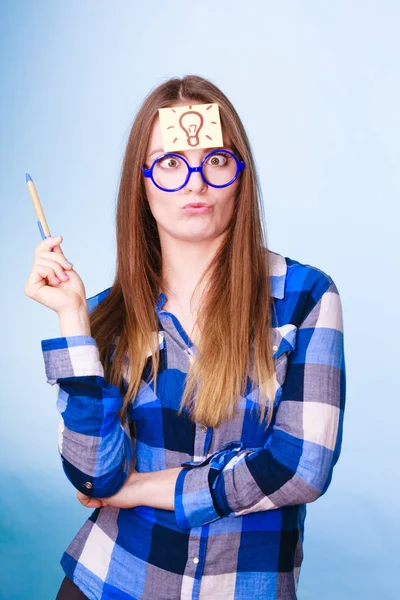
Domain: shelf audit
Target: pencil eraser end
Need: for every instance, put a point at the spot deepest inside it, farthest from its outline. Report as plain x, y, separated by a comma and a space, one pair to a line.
28, 178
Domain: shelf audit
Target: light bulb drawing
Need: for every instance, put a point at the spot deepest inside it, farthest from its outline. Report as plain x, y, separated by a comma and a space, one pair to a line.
191, 122
190, 126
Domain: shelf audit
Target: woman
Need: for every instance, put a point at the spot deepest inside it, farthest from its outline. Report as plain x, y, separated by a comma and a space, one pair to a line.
198, 480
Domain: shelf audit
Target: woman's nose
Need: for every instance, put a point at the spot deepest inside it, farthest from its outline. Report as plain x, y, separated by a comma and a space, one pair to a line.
195, 183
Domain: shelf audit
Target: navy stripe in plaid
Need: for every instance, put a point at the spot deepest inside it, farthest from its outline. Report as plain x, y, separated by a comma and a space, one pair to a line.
240, 502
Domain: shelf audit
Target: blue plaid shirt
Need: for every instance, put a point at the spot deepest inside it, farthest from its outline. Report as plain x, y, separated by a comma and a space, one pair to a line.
240, 502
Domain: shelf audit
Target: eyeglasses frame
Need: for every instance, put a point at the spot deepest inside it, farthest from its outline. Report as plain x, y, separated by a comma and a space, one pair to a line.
240, 165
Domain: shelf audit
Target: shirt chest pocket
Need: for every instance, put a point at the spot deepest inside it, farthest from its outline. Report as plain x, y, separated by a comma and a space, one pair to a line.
284, 342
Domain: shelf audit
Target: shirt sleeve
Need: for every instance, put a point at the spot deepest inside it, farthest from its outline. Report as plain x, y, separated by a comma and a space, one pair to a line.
94, 446
296, 463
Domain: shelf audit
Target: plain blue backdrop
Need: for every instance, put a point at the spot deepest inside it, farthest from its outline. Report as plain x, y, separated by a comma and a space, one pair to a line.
317, 86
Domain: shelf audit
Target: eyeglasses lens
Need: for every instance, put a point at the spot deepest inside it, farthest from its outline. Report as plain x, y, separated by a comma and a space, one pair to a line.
170, 172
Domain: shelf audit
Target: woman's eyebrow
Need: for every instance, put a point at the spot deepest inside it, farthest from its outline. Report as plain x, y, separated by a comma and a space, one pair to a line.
156, 150
228, 146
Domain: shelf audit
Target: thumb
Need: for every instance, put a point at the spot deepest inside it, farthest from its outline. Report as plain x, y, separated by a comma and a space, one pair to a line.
89, 502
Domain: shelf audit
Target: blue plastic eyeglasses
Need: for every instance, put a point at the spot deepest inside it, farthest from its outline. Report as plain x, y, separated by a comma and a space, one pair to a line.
170, 172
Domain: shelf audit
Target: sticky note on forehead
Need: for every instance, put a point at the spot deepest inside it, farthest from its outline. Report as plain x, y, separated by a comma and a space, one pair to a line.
192, 126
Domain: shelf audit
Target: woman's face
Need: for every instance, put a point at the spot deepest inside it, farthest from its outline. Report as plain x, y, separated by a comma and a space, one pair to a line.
168, 207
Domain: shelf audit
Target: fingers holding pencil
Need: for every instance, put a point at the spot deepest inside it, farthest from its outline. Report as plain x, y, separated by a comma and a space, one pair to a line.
52, 281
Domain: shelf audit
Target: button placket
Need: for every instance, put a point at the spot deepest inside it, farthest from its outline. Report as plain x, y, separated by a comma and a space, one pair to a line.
194, 565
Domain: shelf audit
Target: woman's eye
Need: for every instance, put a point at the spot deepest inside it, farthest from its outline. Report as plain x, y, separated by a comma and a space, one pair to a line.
169, 163
218, 160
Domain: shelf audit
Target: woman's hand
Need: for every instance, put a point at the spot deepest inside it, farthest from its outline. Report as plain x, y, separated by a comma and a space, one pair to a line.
126, 497
47, 283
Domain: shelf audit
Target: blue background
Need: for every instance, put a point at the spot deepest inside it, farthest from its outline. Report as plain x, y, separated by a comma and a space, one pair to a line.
317, 86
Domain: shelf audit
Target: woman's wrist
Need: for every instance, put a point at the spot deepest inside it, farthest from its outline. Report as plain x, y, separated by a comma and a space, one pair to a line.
75, 322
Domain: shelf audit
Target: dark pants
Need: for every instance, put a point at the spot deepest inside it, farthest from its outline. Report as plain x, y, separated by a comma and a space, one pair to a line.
70, 591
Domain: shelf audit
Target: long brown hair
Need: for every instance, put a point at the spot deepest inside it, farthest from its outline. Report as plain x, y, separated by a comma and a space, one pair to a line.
235, 317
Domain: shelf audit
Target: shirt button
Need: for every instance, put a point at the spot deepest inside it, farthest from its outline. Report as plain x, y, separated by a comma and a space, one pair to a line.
204, 429
196, 560
274, 348
88, 485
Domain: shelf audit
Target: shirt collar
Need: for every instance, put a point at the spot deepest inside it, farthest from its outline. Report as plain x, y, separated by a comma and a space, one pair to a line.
278, 270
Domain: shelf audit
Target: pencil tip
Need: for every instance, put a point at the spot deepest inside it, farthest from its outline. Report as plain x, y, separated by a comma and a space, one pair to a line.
28, 178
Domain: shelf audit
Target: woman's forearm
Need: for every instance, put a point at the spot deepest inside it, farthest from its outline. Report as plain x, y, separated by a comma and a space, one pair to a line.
154, 488
157, 488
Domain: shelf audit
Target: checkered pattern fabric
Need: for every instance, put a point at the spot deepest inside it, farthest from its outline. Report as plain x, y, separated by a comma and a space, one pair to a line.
237, 530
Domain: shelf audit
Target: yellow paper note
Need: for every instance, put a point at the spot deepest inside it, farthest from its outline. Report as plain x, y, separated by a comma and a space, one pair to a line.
192, 126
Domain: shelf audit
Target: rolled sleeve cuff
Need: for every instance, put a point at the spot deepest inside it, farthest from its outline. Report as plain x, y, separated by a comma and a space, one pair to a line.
200, 496
194, 504
71, 356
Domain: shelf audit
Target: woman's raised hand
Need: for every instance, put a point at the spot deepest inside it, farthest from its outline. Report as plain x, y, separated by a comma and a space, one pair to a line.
47, 282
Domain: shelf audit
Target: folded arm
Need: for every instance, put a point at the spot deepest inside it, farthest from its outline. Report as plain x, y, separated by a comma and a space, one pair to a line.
296, 463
